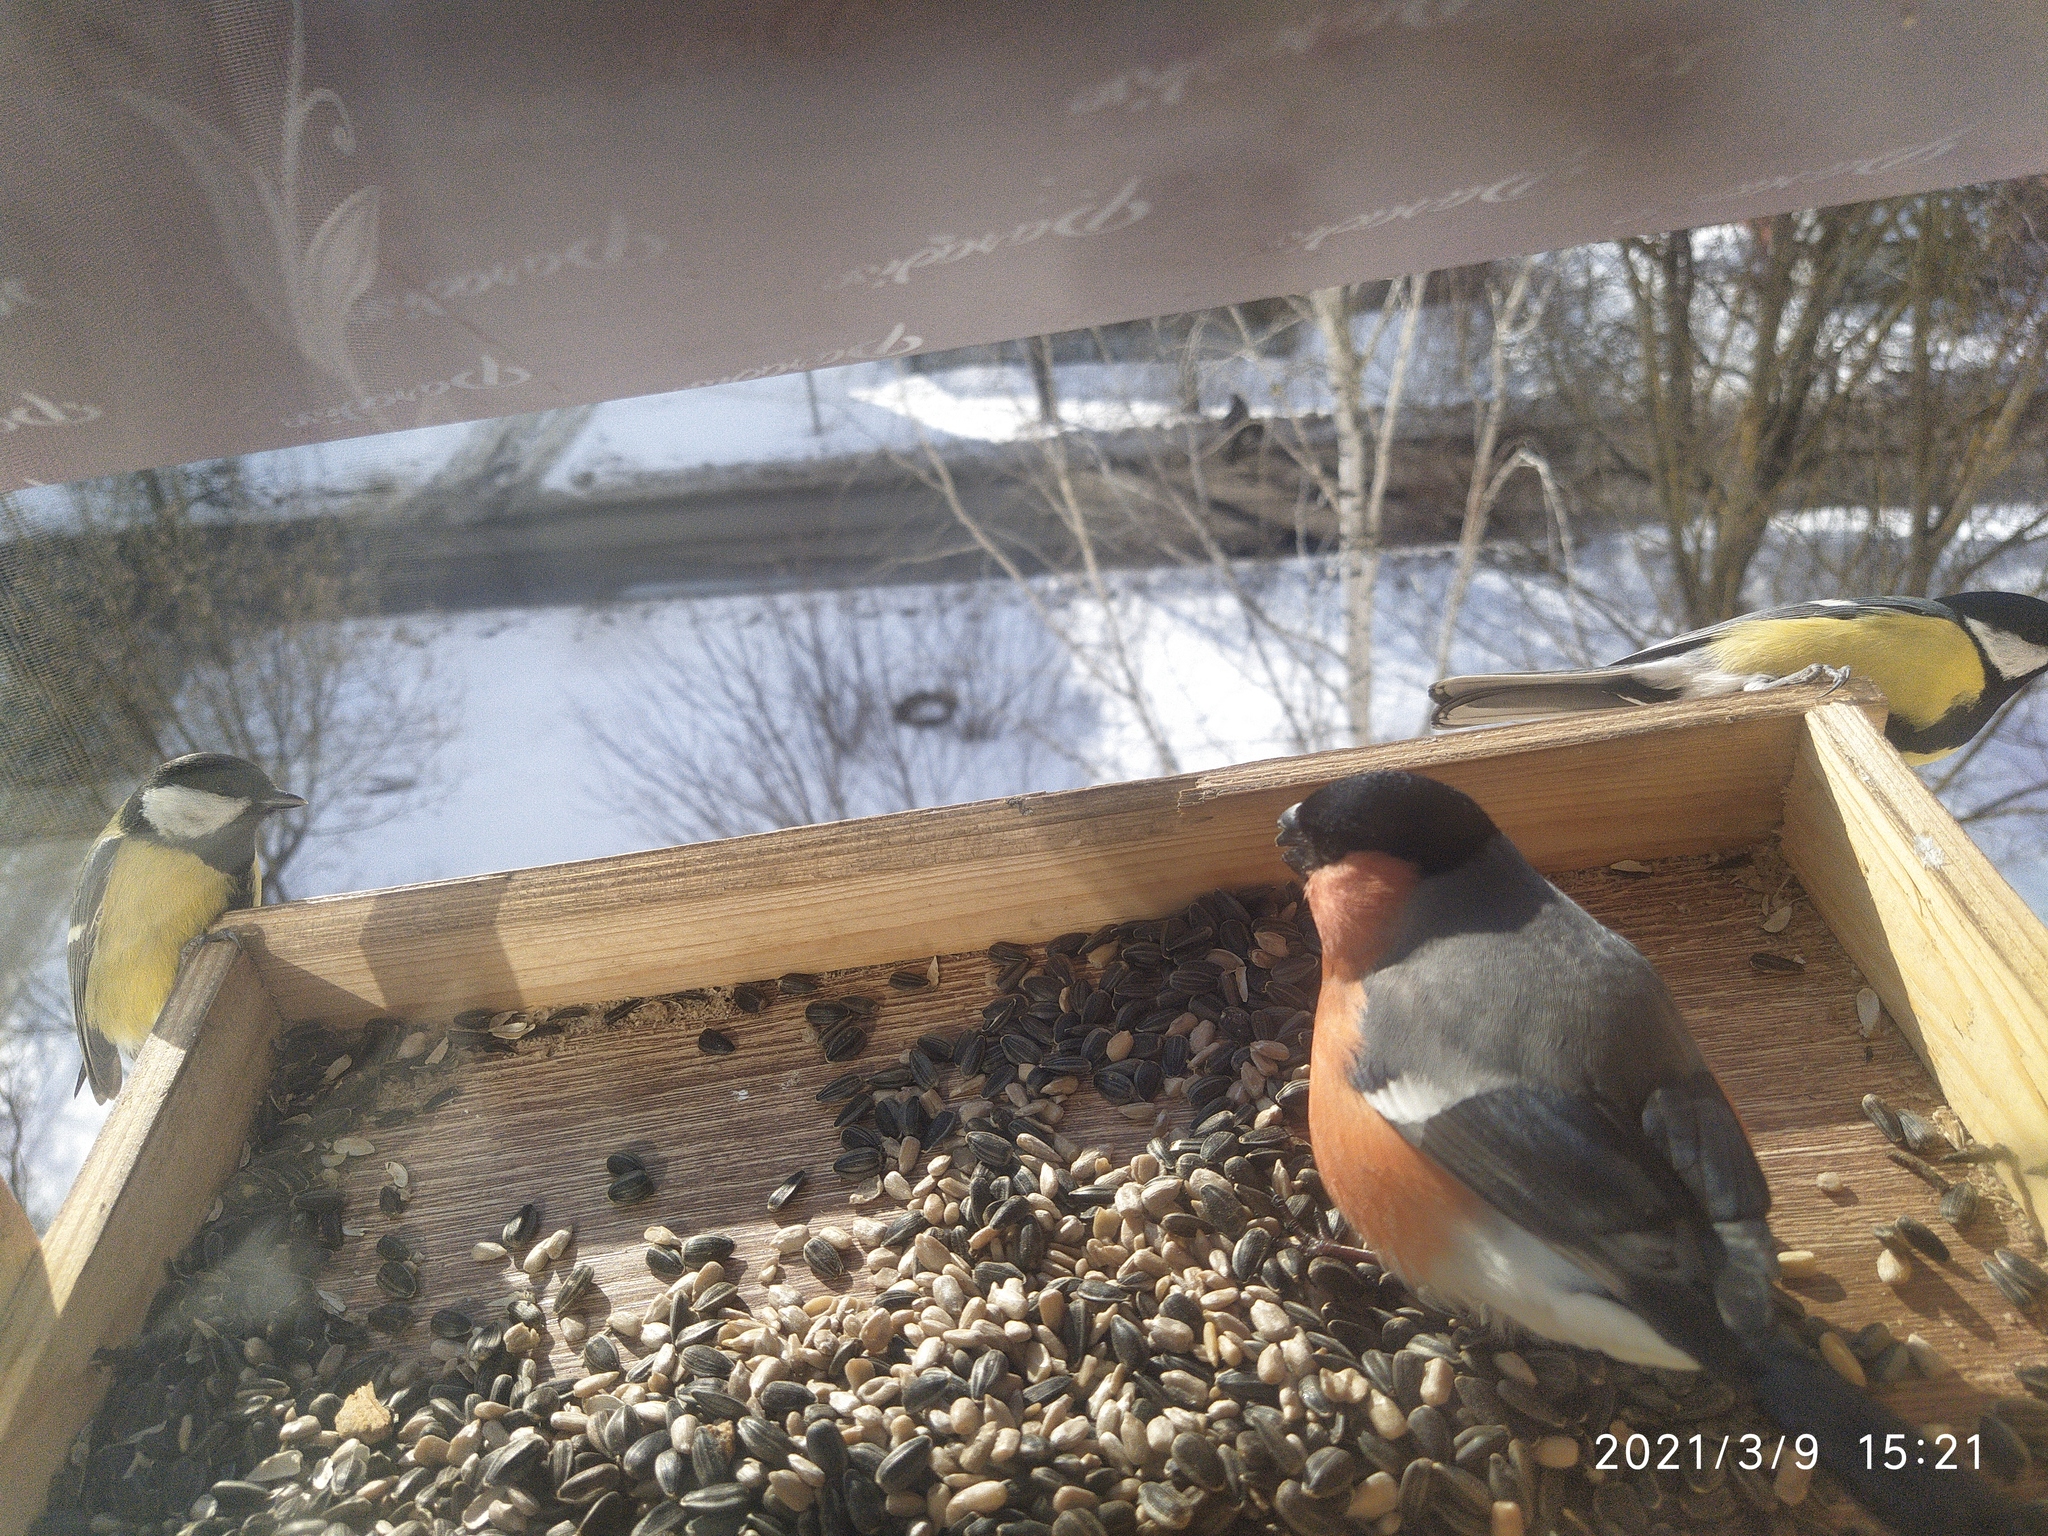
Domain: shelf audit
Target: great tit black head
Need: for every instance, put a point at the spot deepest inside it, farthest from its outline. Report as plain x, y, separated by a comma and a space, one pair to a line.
202, 797
1423, 822
2011, 627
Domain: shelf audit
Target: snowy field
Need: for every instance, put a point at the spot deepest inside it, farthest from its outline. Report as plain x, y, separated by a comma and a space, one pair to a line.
525, 776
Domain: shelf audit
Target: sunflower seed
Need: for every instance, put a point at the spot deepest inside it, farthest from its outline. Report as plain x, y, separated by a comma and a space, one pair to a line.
631, 1189
1922, 1237
520, 1230
783, 1192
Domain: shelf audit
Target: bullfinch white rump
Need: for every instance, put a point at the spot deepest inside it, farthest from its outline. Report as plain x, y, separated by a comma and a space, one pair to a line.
1506, 1105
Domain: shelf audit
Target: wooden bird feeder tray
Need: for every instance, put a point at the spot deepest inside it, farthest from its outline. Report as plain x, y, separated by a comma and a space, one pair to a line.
1889, 892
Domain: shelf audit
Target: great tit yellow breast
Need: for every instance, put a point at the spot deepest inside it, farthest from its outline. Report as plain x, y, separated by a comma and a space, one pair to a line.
1925, 666
157, 898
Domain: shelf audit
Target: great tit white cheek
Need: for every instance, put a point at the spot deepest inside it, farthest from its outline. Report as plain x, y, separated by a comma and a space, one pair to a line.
184, 814
2012, 656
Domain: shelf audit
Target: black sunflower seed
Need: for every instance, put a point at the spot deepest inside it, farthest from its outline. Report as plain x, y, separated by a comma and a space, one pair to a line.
631, 1189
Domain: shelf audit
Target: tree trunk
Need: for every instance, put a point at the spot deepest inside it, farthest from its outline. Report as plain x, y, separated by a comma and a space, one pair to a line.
1485, 484
1361, 508
1333, 317
1040, 350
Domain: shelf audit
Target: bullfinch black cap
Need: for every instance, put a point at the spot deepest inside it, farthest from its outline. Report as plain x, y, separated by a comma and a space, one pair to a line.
1404, 815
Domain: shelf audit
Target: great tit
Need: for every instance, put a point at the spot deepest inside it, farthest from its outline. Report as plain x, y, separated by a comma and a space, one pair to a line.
1944, 667
179, 852
1506, 1104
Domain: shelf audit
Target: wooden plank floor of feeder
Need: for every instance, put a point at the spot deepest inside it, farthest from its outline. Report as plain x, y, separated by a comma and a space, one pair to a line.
718, 1132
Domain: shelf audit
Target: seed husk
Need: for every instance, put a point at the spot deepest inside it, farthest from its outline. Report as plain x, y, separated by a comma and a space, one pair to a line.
1922, 1237
783, 1192
448, 1323
1775, 964
1920, 1134
823, 1259
2009, 1285
1885, 1118
1024, 1206
707, 1248
631, 1189
520, 1230
398, 1279
2023, 1270
1920, 1168
574, 1289
858, 1163
715, 1042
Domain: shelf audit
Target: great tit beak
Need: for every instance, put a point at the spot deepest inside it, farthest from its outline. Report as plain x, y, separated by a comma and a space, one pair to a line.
279, 800
1292, 841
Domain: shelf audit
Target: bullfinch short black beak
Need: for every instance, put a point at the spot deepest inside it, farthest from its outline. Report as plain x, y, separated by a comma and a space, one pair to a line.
1292, 841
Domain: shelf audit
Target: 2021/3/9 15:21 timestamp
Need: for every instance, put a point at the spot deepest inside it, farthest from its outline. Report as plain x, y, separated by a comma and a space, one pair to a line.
1943, 1453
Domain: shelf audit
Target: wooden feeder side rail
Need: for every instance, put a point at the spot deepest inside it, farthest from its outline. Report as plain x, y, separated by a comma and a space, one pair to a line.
1640, 783
173, 1137
1957, 958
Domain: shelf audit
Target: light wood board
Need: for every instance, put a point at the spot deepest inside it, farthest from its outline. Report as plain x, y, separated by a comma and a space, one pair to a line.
1954, 952
720, 1132
1685, 778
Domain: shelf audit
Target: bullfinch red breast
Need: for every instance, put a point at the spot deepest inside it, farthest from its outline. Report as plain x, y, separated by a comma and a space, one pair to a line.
1506, 1105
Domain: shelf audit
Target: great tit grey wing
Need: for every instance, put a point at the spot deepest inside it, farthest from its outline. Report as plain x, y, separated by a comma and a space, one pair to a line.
1667, 1214
101, 1062
1823, 608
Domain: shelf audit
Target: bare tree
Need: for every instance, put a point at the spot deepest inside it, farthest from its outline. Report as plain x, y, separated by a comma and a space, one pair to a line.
167, 614
791, 709
1202, 498
1108, 657
1752, 367
1513, 319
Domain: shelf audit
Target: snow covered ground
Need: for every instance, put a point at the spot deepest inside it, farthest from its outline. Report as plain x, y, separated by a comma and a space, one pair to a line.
524, 781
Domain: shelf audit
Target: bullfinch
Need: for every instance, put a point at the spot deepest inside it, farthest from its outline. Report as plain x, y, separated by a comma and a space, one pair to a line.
1506, 1105
180, 851
1944, 667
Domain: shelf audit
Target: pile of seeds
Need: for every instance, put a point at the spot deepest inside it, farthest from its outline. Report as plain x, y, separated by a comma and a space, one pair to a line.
1211, 1006
1034, 1339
